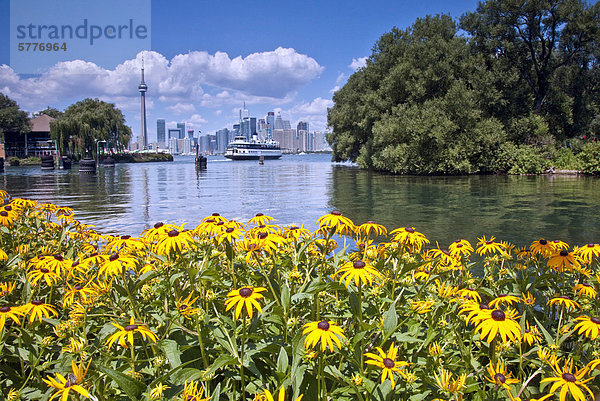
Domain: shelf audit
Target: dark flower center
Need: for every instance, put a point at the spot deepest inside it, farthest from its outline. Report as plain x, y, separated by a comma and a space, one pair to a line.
294, 228
125, 236
262, 235
220, 223
500, 378
446, 253
58, 257
359, 264
563, 253
388, 363
44, 270
216, 214
3, 213
543, 242
113, 257
78, 288
409, 229
71, 380
483, 306
527, 331
210, 220
183, 307
489, 242
229, 230
245, 292
262, 226
595, 320
336, 213
93, 254
159, 224
459, 245
259, 214
131, 327
565, 297
36, 302
569, 377
323, 325
8, 207
502, 295
173, 233
74, 264
370, 222
498, 315
590, 245
4, 309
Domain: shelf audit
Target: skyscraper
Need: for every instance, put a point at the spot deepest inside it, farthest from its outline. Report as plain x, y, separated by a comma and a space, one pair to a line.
143, 88
181, 127
160, 132
271, 119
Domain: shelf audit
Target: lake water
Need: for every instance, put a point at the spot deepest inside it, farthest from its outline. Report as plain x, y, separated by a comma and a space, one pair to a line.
300, 188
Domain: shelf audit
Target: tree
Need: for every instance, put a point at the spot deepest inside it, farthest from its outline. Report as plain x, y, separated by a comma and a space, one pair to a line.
88, 121
49, 111
12, 118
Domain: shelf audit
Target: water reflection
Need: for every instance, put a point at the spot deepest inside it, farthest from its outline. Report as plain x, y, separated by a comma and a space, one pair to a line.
299, 189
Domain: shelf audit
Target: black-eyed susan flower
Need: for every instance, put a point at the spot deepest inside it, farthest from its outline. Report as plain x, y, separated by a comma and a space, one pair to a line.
499, 375
542, 247
387, 362
8, 312
49, 276
191, 392
489, 246
444, 256
588, 252
246, 296
370, 227
158, 230
38, 310
116, 263
531, 335
56, 263
71, 382
469, 294
174, 240
267, 396
435, 349
493, 322
528, 299
230, 234
3, 255
6, 288
461, 248
125, 242
585, 289
84, 294
295, 232
563, 261
157, 392
336, 223
504, 299
126, 333
590, 326
569, 382
410, 238
185, 306
472, 311
564, 301
260, 219
359, 271
448, 384
269, 241
422, 307
6, 219
327, 332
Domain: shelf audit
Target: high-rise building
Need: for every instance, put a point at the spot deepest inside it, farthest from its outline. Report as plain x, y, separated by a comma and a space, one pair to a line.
181, 127
173, 149
160, 132
271, 120
174, 133
302, 126
190, 133
222, 140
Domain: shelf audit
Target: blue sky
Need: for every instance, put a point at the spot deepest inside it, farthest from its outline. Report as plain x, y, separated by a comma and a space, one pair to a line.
208, 57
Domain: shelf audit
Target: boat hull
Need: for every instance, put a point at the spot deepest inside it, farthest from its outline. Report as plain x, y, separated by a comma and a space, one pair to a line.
251, 157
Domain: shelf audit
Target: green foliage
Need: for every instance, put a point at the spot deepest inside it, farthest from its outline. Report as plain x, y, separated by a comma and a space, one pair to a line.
13, 161
565, 159
12, 118
590, 158
49, 111
86, 122
519, 159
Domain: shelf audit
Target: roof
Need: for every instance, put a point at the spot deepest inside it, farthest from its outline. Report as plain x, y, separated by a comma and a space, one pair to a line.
41, 123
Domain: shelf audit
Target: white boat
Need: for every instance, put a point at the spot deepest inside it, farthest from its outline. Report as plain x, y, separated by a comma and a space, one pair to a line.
253, 149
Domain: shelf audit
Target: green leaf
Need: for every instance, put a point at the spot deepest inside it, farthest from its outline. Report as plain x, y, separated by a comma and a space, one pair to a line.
222, 361
172, 352
285, 298
282, 361
132, 387
185, 375
390, 320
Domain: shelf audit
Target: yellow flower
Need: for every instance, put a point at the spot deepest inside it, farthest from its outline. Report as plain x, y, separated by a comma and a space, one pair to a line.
568, 381
295, 232
499, 376
174, 240
229, 234
125, 242
387, 362
325, 331
6, 289
528, 299
246, 296
127, 332
184, 307
446, 383
358, 271
460, 247
421, 307
49, 276
336, 223
9, 312
504, 299
267, 396
192, 393
435, 349
590, 326
38, 309
371, 227
55, 263
469, 293
260, 219
75, 345
563, 261
410, 238
485, 246
357, 379
72, 382
584, 289
564, 301
496, 321
542, 247
531, 335
588, 252
157, 392
84, 294
115, 263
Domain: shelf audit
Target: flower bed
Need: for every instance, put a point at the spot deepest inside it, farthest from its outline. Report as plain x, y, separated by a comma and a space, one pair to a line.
256, 311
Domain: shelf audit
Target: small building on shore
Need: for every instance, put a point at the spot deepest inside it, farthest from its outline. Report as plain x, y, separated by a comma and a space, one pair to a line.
37, 142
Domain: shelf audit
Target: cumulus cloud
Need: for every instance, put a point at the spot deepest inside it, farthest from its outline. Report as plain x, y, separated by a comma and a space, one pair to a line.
358, 63
182, 108
270, 75
315, 112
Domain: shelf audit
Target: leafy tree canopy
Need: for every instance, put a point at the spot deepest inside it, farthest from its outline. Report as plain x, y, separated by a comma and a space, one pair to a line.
49, 111
12, 118
88, 121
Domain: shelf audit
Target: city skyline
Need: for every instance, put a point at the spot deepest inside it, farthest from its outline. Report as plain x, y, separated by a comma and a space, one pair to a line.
289, 59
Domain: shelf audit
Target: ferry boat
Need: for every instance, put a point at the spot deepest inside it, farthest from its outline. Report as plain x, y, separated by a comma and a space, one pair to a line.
253, 149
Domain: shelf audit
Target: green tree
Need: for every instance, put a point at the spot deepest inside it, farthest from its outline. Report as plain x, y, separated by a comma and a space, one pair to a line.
12, 118
88, 121
49, 111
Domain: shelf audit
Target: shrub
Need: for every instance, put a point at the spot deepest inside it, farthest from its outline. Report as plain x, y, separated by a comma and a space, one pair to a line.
565, 159
590, 158
13, 161
519, 159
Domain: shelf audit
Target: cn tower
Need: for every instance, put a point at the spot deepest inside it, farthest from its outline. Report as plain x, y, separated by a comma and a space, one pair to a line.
143, 88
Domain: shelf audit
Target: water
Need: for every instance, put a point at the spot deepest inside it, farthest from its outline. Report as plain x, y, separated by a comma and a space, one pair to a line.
301, 188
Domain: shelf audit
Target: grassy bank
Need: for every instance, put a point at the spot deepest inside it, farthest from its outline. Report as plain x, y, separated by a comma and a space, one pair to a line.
241, 311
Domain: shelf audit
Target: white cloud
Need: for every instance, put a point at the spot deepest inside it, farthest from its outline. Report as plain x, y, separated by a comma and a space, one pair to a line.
341, 78
182, 108
258, 77
315, 112
218, 112
358, 63
334, 89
